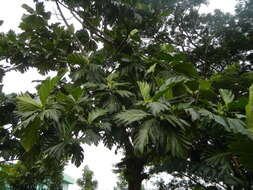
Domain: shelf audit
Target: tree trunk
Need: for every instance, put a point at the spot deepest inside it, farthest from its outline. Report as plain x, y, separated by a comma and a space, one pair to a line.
134, 172
134, 185
134, 167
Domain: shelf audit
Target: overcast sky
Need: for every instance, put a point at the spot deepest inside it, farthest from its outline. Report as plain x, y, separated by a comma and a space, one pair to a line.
99, 159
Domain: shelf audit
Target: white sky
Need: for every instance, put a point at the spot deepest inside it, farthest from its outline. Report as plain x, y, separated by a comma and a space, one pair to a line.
99, 159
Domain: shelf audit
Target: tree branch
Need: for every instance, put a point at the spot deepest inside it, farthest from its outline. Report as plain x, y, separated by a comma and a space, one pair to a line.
68, 26
87, 24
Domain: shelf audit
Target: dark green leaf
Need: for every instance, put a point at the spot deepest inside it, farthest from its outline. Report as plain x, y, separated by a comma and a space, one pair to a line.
156, 107
77, 59
130, 116
94, 114
124, 93
30, 136
27, 104
46, 87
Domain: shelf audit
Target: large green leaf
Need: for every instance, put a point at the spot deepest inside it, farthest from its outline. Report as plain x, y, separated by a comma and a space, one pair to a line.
146, 134
157, 107
239, 127
205, 85
133, 32
221, 160
30, 135
30, 119
31, 22
27, 104
166, 88
145, 90
176, 142
46, 87
56, 150
151, 68
175, 80
94, 114
187, 69
167, 92
134, 35
130, 116
112, 104
231, 125
76, 92
142, 138
227, 96
28, 8
77, 59
236, 126
52, 114
249, 110
193, 113
112, 77
124, 93
222, 121
176, 121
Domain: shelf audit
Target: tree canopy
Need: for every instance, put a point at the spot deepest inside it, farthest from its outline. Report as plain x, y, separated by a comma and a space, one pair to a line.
155, 78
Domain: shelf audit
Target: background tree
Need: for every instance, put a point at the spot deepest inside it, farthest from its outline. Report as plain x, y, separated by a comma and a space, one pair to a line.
214, 40
18, 176
86, 182
121, 184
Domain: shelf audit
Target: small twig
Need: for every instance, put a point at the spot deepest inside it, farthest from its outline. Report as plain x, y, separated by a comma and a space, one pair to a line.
88, 24
192, 179
57, 16
68, 26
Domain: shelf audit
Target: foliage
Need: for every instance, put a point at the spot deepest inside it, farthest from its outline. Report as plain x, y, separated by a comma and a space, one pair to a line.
19, 176
180, 182
222, 162
234, 79
30, 171
161, 87
211, 41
